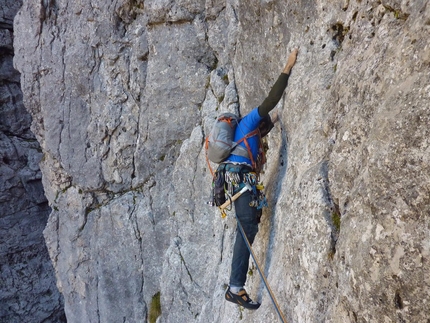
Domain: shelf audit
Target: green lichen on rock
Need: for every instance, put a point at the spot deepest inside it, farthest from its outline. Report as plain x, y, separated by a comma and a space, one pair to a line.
155, 308
336, 220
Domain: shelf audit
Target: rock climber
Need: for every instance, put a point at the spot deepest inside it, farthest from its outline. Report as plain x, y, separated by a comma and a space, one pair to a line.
239, 169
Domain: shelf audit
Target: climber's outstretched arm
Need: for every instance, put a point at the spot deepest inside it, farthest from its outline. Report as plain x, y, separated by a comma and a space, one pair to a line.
278, 88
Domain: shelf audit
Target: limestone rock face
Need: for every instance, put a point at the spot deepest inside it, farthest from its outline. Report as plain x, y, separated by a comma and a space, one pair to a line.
28, 292
123, 93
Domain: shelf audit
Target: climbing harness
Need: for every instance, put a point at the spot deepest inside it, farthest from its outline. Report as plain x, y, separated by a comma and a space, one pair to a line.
248, 245
228, 184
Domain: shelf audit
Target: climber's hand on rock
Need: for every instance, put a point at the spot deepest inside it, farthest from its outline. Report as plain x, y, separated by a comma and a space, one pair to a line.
291, 61
275, 117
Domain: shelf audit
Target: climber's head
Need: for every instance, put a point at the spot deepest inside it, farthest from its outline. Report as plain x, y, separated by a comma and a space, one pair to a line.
265, 125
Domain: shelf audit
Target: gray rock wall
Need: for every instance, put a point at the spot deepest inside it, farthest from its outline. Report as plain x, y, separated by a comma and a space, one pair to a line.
122, 95
28, 291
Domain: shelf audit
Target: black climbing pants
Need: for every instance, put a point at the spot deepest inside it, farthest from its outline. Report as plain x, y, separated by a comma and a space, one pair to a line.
249, 218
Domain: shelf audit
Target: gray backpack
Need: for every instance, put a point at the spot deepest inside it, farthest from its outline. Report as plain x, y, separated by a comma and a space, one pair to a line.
219, 143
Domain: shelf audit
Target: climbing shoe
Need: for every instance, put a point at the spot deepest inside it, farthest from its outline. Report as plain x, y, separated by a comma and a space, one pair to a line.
242, 298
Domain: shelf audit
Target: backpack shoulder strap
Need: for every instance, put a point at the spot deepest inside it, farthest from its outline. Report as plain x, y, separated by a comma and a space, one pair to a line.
240, 151
249, 135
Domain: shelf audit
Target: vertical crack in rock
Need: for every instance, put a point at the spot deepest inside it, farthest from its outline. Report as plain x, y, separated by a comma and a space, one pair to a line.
223, 237
278, 178
151, 208
178, 242
331, 213
185, 265
138, 234
97, 300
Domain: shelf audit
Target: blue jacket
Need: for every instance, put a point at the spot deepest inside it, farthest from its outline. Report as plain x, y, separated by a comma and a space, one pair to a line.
246, 125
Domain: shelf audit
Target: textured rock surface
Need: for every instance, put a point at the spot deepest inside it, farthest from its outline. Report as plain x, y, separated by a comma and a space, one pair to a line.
28, 292
122, 94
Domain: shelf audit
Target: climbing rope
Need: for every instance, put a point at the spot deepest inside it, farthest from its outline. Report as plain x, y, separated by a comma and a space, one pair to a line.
275, 303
